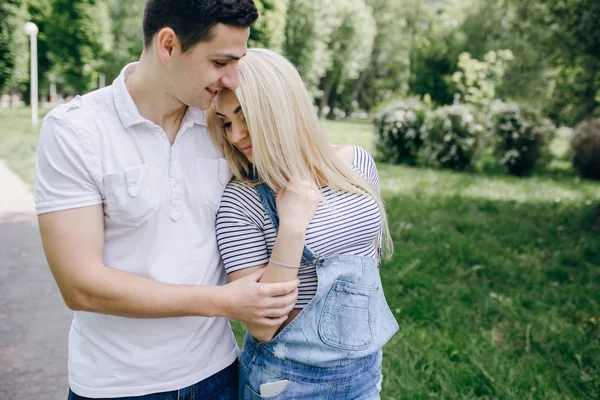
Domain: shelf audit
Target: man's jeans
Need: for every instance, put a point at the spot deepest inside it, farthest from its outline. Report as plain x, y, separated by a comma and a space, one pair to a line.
221, 386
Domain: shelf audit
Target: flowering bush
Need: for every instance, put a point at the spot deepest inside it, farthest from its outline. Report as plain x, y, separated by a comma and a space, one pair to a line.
522, 138
586, 146
450, 137
398, 138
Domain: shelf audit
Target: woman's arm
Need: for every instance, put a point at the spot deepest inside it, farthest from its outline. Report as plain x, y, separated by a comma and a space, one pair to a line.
296, 207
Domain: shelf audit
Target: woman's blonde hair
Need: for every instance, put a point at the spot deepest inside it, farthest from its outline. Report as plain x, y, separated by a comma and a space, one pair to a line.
286, 133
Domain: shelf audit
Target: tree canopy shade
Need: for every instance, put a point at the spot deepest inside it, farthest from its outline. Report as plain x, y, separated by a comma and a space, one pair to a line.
352, 54
14, 48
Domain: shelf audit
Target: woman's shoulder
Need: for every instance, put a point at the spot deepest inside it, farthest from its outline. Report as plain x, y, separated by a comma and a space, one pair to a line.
239, 190
344, 152
240, 198
354, 156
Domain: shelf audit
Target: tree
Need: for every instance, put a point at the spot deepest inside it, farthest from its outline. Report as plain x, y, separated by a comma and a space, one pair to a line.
127, 35
350, 46
269, 30
309, 25
14, 50
435, 43
575, 49
387, 73
477, 80
39, 13
508, 24
78, 39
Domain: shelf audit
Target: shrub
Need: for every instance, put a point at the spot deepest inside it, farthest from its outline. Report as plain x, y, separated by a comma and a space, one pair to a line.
586, 146
450, 137
398, 126
521, 138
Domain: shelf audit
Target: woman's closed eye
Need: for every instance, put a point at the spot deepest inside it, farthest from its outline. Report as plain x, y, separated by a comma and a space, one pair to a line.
226, 125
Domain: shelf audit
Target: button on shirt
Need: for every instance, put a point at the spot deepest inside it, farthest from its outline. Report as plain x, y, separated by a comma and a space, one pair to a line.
160, 203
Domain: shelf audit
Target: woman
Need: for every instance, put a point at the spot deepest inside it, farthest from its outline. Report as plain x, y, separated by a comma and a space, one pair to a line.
325, 226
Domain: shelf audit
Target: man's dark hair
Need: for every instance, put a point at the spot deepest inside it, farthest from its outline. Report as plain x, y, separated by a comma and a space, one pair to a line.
193, 20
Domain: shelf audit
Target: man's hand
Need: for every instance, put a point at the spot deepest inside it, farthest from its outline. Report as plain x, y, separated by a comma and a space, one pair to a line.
258, 304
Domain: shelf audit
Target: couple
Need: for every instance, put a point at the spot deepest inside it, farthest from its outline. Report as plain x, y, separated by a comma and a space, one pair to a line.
138, 216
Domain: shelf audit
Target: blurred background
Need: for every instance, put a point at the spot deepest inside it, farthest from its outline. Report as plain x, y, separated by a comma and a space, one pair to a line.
483, 117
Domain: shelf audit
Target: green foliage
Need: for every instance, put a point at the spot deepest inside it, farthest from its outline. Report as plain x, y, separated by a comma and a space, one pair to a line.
433, 34
508, 24
575, 49
398, 132
309, 25
451, 137
477, 80
269, 30
39, 12
330, 43
126, 31
586, 145
80, 37
522, 139
14, 48
387, 73
350, 46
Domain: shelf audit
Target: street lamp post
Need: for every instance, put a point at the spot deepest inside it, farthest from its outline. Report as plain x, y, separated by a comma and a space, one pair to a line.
32, 30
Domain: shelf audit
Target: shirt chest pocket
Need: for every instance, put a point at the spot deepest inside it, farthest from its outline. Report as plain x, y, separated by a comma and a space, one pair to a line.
131, 196
213, 176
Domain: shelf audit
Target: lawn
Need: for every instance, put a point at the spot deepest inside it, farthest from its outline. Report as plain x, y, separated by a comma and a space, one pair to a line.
495, 281
18, 140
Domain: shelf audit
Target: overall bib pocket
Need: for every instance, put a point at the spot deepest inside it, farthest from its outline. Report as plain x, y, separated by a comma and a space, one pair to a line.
348, 316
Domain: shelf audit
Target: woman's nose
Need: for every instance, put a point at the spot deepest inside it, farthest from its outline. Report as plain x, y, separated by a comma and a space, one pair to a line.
238, 134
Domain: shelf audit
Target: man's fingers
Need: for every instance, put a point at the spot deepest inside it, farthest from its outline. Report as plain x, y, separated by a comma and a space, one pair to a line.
280, 289
279, 312
271, 322
282, 301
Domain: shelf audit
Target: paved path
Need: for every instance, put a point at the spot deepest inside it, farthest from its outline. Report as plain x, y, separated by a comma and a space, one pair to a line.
34, 321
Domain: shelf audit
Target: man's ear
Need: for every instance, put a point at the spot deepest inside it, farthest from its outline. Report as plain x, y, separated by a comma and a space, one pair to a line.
167, 45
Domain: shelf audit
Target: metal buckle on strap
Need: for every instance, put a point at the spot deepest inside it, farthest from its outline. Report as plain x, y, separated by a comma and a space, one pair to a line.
315, 260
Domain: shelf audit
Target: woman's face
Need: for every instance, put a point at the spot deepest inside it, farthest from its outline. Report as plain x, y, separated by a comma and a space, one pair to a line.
230, 114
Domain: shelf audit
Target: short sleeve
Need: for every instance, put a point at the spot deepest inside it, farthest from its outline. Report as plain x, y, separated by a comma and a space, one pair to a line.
365, 165
62, 178
239, 229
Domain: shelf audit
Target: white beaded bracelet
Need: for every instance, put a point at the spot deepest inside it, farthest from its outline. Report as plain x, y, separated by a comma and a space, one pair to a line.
283, 265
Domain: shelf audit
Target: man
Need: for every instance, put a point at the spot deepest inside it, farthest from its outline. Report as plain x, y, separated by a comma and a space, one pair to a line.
128, 184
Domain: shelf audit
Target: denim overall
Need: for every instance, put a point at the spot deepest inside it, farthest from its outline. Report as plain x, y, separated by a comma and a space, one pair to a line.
332, 349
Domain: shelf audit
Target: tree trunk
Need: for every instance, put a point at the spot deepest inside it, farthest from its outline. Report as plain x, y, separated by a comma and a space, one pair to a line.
328, 85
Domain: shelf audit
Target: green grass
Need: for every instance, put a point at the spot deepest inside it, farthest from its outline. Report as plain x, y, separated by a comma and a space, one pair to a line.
357, 131
495, 281
18, 140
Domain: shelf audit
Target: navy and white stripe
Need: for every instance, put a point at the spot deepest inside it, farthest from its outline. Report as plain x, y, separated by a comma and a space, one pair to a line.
344, 223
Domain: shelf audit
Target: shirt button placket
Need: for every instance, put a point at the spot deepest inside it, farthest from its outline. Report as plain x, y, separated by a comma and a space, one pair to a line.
176, 181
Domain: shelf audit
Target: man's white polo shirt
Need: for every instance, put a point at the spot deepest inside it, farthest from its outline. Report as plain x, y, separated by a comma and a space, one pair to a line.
160, 203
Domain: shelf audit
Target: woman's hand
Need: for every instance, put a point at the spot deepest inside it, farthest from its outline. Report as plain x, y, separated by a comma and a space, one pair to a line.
297, 204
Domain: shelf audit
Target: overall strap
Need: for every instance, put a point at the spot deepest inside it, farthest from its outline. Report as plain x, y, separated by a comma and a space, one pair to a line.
267, 198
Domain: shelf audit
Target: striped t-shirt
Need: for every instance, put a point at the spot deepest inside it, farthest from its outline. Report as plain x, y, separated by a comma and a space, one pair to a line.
344, 223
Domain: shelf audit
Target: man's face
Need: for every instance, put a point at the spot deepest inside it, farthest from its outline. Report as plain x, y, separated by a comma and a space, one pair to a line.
209, 67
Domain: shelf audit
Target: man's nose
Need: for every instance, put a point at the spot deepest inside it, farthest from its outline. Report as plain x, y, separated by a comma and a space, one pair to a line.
231, 80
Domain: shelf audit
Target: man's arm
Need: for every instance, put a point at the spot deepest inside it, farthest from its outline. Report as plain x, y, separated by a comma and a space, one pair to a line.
73, 241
